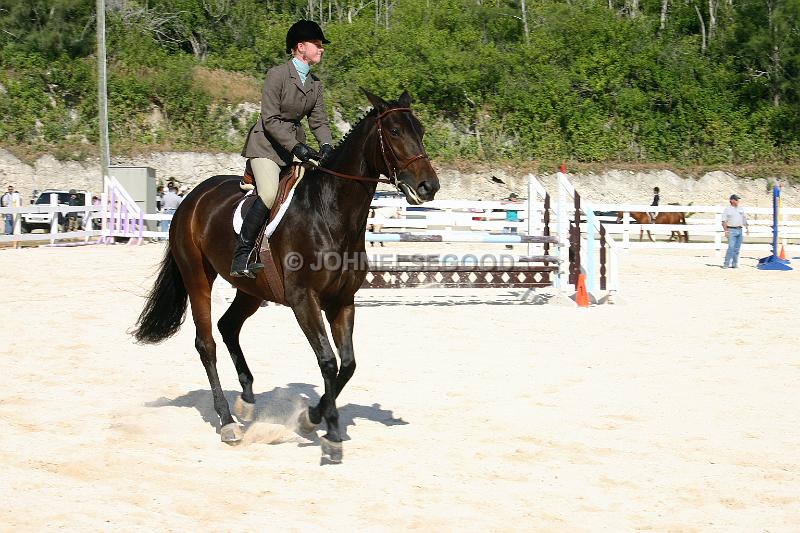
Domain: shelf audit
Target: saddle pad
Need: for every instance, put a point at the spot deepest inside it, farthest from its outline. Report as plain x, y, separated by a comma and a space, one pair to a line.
238, 218
238, 213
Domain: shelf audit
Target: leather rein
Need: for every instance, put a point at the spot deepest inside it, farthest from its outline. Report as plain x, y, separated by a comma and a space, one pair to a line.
394, 169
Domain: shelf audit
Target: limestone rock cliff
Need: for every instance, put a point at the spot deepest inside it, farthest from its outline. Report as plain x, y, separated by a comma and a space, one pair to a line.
613, 186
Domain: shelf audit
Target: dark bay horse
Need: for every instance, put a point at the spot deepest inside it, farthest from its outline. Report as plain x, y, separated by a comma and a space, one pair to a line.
661, 218
326, 219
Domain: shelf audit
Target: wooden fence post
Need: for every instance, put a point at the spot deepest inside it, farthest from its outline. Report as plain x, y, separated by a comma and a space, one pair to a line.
575, 243
602, 257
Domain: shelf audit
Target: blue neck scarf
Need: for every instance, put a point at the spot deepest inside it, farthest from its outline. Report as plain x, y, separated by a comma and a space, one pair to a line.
302, 68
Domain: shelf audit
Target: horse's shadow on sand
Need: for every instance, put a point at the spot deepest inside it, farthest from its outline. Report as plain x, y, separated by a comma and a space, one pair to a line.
281, 405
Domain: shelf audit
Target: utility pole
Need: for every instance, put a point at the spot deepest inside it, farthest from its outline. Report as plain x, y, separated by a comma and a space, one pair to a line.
102, 101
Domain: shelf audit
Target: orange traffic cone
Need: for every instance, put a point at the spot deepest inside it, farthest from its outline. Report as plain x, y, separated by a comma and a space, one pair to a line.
782, 255
581, 296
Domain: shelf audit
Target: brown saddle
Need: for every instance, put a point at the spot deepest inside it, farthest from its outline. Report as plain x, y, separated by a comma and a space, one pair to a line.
288, 177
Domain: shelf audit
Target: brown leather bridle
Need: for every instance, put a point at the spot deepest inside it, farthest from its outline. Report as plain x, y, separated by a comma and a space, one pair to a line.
395, 169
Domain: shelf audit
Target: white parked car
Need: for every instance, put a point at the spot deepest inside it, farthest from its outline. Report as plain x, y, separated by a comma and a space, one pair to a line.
32, 221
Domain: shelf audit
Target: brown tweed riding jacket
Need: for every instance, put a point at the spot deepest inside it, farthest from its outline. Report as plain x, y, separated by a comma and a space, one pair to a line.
284, 102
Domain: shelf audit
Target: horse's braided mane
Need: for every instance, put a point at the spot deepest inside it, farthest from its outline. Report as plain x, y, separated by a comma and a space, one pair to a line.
365, 116
317, 189
371, 113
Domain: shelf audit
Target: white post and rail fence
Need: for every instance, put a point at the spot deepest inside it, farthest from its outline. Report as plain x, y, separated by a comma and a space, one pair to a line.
572, 237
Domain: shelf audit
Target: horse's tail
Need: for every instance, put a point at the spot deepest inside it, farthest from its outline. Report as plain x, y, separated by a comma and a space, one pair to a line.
165, 307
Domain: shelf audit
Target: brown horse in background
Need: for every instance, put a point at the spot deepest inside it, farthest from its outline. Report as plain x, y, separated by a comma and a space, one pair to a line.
326, 221
661, 218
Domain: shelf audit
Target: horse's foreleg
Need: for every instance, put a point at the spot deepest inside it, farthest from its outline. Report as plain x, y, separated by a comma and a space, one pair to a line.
309, 316
341, 321
230, 325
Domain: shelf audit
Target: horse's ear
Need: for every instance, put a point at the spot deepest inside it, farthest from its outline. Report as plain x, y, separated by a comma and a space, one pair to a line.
404, 100
377, 102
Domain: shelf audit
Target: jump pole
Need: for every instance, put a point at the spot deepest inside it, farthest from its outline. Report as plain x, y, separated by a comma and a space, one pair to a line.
773, 262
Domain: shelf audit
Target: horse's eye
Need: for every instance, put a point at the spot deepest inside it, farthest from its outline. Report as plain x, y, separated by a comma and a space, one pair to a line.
395, 132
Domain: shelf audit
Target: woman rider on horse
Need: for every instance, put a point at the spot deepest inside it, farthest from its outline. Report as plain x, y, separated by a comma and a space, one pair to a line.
290, 93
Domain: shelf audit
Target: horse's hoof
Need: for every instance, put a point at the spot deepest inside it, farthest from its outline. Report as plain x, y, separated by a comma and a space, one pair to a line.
331, 451
243, 410
304, 423
231, 433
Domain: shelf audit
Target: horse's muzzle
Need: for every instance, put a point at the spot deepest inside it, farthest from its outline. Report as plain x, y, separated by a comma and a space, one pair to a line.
418, 190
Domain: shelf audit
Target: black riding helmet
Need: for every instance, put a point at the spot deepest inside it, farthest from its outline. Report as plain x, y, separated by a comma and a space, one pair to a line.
304, 30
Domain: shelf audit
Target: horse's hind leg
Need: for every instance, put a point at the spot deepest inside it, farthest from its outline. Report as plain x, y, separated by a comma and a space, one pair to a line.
230, 325
198, 283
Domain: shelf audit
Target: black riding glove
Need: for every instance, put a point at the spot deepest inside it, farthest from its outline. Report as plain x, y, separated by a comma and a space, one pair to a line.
303, 152
325, 151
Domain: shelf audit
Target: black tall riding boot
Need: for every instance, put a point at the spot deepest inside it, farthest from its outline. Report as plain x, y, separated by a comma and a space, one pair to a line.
253, 223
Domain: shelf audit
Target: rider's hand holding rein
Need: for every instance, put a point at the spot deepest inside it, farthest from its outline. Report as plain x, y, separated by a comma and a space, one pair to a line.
303, 152
325, 152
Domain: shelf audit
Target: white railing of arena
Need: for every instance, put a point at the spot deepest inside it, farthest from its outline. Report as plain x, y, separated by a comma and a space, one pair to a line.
458, 219
118, 214
448, 215
704, 226
121, 217
89, 211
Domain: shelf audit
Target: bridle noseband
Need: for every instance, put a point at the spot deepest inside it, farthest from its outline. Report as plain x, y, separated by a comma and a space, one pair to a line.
393, 169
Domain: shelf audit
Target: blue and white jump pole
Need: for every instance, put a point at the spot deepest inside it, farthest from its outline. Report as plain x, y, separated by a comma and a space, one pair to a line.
773, 262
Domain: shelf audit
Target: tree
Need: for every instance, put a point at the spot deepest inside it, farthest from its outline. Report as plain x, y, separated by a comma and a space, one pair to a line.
48, 27
768, 43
